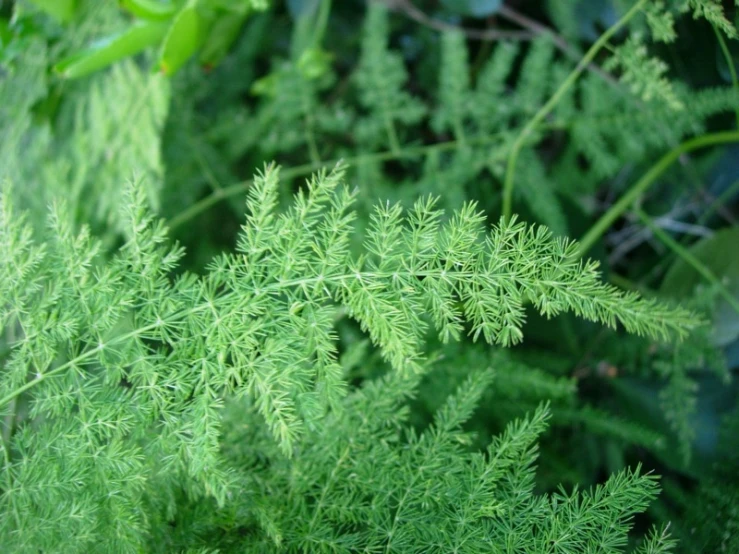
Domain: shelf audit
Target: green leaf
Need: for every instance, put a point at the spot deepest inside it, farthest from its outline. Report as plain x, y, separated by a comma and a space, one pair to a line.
63, 10
314, 63
133, 40
185, 36
6, 35
713, 12
240, 6
719, 254
266, 86
151, 10
661, 22
475, 8
221, 36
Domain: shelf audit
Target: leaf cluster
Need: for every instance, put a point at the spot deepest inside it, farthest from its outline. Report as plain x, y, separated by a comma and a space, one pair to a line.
341, 366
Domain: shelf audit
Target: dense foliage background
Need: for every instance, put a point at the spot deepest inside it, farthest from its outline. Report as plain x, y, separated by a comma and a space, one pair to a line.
637, 156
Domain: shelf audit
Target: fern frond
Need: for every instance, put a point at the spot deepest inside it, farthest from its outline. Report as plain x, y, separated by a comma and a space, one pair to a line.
397, 495
447, 174
22, 143
644, 75
282, 400
661, 22
540, 194
290, 97
492, 111
658, 542
713, 12
603, 423
454, 87
380, 78
260, 324
534, 79
107, 128
516, 381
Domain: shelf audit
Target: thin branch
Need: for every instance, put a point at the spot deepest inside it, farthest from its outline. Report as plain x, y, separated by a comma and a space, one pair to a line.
682, 227
558, 40
689, 258
409, 10
647, 180
547, 108
633, 236
532, 30
535, 27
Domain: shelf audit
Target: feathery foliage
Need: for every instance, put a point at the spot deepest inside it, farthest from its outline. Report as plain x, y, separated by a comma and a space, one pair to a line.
110, 354
341, 367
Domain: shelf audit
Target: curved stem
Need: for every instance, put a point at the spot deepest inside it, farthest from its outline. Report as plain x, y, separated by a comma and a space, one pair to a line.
306, 169
689, 259
730, 64
41, 377
221, 194
324, 10
647, 180
553, 101
558, 40
407, 8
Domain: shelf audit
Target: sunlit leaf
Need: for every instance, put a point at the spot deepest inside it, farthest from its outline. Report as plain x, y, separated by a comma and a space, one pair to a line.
61, 9
184, 38
152, 10
133, 40
221, 36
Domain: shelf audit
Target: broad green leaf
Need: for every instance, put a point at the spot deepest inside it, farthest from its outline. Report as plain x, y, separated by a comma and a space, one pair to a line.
6, 35
63, 10
221, 36
233, 6
184, 38
151, 10
133, 40
720, 254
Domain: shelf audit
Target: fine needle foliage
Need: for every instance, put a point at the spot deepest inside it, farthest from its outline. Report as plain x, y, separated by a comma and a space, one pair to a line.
298, 277
122, 380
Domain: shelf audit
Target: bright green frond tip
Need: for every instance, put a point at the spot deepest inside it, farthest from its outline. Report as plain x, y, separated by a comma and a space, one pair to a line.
125, 371
261, 322
713, 12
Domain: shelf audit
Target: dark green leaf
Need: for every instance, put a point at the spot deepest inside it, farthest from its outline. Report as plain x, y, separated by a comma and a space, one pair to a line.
221, 36
720, 255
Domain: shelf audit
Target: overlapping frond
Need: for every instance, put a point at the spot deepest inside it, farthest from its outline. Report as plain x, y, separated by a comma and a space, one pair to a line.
119, 351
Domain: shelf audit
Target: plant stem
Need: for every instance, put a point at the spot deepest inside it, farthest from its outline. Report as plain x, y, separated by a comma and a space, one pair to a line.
553, 101
324, 10
409, 10
689, 258
306, 169
647, 180
558, 40
718, 202
730, 64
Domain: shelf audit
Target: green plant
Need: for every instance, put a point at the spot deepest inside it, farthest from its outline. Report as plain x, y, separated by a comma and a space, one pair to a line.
346, 369
179, 28
150, 362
